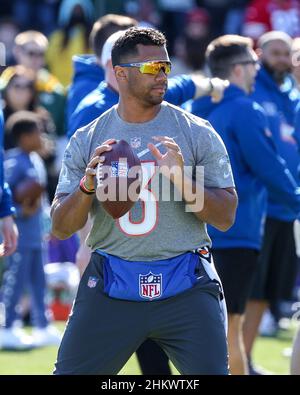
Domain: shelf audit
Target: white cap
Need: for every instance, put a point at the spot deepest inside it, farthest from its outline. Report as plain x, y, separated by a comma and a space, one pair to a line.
274, 35
108, 45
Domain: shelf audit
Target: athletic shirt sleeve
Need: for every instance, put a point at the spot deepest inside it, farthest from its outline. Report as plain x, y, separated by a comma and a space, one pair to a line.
73, 164
211, 153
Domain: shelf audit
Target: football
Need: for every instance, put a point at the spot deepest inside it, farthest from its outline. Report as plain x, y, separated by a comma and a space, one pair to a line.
119, 179
29, 189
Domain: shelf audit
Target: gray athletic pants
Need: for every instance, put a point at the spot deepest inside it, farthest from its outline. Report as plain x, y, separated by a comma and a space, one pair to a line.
102, 333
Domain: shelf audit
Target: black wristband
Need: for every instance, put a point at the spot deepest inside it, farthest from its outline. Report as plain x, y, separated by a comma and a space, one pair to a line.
85, 191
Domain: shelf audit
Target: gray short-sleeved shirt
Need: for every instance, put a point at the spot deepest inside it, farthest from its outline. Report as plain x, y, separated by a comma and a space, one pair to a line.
156, 229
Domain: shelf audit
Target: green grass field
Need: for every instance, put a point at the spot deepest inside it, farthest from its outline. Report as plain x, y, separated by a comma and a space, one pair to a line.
268, 353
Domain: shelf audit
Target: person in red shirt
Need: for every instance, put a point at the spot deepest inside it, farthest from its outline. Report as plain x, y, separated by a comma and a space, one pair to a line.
265, 15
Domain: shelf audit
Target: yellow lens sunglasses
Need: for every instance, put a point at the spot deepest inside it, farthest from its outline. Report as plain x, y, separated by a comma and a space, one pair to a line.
151, 66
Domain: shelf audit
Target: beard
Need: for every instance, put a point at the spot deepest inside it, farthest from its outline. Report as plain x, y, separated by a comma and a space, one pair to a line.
147, 96
277, 75
155, 99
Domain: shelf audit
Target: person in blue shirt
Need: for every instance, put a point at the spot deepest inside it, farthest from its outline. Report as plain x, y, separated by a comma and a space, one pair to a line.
295, 358
25, 270
8, 228
88, 70
277, 267
243, 126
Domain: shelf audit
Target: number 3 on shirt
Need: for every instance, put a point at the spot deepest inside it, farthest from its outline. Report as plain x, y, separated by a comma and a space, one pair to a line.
149, 206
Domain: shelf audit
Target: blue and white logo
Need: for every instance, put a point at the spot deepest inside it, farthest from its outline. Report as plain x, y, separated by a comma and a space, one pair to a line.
119, 169
150, 285
135, 142
92, 282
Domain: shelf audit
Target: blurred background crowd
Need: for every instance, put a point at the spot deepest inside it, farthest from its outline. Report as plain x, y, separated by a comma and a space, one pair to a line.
46, 46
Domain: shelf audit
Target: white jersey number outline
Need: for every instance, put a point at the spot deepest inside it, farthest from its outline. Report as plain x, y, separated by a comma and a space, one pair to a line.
149, 206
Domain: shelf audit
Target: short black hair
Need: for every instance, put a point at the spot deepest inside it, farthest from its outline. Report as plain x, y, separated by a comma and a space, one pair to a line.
127, 44
22, 122
105, 27
224, 51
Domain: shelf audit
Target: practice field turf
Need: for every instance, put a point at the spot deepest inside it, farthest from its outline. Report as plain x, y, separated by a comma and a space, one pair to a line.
268, 354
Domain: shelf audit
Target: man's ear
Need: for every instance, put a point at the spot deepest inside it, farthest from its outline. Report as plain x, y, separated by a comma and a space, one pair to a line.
120, 73
258, 52
237, 70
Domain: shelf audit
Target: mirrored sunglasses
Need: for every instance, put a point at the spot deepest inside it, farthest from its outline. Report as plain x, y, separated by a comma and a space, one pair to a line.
150, 67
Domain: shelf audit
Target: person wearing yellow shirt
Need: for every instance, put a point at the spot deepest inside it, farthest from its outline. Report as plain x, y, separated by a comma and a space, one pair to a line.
75, 20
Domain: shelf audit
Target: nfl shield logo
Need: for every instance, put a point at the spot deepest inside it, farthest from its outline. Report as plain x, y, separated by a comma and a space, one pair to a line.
114, 169
150, 285
92, 282
135, 142
119, 169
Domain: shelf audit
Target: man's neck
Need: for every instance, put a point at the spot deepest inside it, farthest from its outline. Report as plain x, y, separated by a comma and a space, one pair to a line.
133, 112
238, 83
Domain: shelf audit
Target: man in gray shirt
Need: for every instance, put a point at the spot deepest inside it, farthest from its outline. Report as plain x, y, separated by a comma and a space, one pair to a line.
161, 243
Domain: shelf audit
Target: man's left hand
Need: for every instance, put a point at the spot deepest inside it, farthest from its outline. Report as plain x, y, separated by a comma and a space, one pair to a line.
171, 163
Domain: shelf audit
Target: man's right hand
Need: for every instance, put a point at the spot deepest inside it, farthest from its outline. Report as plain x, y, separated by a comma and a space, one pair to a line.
218, 88
69, 212
213, 87
96, 158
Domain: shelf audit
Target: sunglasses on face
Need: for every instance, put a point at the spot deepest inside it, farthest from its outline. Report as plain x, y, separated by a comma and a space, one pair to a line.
245, 62
150, 67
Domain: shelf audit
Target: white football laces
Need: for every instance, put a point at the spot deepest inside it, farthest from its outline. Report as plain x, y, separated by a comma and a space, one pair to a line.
99, 175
